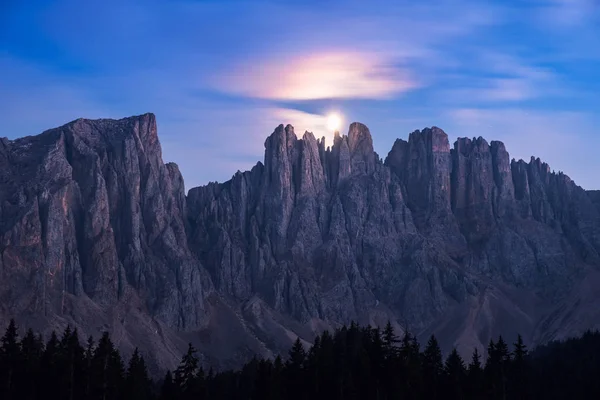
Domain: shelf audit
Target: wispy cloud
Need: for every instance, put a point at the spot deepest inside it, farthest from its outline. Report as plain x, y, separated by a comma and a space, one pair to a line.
503, 78
220, 75
328, 75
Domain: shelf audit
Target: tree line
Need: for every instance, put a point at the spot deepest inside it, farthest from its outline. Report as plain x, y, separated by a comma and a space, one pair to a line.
354, 362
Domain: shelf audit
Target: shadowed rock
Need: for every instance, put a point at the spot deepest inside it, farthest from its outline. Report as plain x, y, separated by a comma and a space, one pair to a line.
96, 231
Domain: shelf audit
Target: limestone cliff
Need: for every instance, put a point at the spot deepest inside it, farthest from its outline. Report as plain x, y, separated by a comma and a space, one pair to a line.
96, 231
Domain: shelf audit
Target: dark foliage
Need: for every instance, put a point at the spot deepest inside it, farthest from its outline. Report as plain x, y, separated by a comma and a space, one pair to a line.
352, 363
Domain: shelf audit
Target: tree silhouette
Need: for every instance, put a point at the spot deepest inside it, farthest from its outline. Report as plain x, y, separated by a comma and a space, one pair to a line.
185, 374
10, 355
351, 363
455, 374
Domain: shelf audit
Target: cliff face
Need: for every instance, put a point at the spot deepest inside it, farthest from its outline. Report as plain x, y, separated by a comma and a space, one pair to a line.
91, 216
459, 241
96, 231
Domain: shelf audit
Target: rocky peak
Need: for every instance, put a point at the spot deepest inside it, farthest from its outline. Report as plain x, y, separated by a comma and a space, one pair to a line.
360, 145
95, 229
473, 187
423, 164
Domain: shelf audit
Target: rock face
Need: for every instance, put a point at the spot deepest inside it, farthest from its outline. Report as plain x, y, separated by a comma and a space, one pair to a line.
96, 231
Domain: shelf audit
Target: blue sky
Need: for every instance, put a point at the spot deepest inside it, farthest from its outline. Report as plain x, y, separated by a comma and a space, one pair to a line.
221, 75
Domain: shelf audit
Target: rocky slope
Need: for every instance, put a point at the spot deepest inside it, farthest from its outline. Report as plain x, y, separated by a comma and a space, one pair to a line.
96, 231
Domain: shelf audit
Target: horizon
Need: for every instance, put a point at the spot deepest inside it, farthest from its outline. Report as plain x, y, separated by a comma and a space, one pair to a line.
328, 145
219, 75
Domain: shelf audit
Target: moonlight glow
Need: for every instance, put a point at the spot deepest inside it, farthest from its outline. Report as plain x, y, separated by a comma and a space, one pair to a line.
334, 122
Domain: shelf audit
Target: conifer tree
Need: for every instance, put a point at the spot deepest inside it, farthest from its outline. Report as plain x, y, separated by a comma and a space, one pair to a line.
87, 367
475, 376
107, 370
49, 365
185, 374
32, 348
10, 354
455, 374
519, 388
295, 376
410, 361
137, 382
433, 366
350, 364
71, 364
390, 340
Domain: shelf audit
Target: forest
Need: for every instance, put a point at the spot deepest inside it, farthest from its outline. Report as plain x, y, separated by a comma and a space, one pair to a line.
354, 362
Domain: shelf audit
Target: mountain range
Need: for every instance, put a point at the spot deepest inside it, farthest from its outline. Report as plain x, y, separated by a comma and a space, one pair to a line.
97, 232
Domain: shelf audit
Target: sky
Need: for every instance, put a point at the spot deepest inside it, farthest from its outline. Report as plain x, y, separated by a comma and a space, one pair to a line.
220, 75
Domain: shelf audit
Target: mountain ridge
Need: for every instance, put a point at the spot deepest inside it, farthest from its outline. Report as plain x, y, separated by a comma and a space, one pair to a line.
459, 240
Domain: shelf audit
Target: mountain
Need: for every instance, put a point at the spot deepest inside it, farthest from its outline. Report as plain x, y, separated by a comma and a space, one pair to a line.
97, 232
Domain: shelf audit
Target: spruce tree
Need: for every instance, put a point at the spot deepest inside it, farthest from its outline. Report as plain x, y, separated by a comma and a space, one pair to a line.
518, 374
137, 382
475, 376
410, 362
455, 374
295, 376
390, 341
87, 368
32, 348
50, 377
10, 355
185, 374
433, 366
107, 370
71, 365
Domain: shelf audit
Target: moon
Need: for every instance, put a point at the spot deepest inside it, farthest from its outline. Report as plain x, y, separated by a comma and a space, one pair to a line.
334, 122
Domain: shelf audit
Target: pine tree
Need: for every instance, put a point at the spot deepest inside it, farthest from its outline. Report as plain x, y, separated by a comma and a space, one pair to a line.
312, 365
137, 382
475, 376
87, 368
10, 354
71, 364
50, 379
107, 370
295, 376
455, 376
390, 341
433, 366
185, 374
410, 361
32, 348
297, 355
496, 368
518, 374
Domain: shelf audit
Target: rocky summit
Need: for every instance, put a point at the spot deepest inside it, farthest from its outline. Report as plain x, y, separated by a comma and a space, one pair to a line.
97, 232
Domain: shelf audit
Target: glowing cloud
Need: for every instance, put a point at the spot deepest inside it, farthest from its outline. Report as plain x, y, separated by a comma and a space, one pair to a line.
320, 76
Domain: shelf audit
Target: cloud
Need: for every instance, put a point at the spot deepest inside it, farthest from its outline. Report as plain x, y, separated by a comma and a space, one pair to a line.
503, 78
221, 75
327, 75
